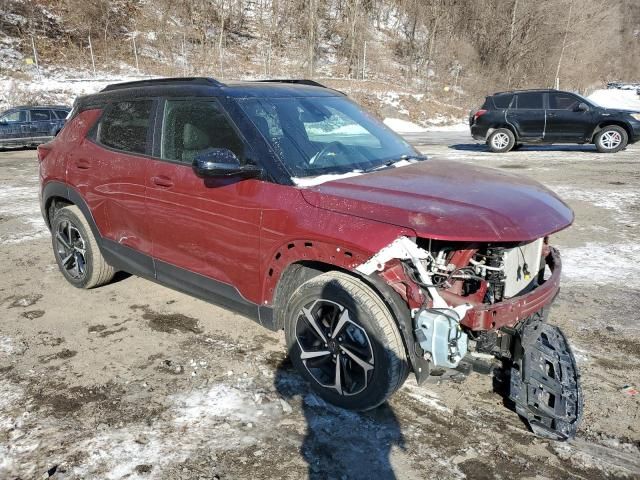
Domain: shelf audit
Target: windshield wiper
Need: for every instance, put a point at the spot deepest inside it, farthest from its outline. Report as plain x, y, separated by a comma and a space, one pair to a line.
391, 163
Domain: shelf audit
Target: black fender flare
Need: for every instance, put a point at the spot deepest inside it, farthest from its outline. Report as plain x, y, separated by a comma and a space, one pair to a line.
55, 189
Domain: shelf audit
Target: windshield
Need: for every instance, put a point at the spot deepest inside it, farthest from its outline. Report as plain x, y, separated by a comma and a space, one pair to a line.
588, 101
325, 135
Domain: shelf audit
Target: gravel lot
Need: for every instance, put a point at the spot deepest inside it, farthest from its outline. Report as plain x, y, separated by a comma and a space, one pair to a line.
133, 380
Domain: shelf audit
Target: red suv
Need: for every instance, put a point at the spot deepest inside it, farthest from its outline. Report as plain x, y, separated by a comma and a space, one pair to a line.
285, 201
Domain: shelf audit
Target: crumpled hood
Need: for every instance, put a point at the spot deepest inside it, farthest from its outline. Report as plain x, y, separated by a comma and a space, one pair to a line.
448, 201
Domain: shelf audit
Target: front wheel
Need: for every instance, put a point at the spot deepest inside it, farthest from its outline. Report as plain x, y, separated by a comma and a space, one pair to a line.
611, 139
345, 342
501, 140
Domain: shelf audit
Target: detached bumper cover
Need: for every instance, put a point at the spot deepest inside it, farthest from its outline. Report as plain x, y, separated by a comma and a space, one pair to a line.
509, 312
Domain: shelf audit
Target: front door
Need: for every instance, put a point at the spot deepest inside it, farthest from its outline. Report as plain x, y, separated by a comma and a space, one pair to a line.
527, 116
205, 230
14, 127
565, 123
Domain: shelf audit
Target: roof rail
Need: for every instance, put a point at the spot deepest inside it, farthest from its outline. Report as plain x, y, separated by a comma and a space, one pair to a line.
163, 81
301, 81
527, 90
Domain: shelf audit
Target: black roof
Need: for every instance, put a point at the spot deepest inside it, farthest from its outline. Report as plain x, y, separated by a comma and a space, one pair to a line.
55, 107
207, 87
527, 90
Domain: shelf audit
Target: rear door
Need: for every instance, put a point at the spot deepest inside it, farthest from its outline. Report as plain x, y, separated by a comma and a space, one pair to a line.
14, 127
527, 115
564, 122
205, 231
41, 124
109, 170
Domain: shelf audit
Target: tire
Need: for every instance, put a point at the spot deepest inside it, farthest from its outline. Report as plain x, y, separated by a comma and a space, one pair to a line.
381, 366
611, 139
77, 253
501, 140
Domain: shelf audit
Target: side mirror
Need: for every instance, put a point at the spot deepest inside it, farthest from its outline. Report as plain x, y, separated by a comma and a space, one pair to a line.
216, 162
582, 107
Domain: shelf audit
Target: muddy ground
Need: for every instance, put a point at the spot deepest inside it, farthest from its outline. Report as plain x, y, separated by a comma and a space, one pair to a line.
133, 380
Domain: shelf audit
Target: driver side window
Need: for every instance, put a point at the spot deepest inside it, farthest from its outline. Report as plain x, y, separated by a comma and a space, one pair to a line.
193, 126
19, 116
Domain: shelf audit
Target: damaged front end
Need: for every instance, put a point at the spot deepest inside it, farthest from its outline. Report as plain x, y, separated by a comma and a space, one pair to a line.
488, 298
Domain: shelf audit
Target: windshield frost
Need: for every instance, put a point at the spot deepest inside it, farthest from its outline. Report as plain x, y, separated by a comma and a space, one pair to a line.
316, 136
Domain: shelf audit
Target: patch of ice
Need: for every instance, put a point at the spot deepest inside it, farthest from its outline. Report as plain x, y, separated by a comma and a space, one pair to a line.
403, 126
6, 347
601, 264
425, 397
220, 401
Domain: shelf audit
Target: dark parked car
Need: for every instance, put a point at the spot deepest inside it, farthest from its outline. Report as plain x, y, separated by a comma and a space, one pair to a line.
287, 202
33, 125
506, 120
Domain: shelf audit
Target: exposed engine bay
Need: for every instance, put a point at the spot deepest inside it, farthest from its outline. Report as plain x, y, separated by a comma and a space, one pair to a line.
489, 298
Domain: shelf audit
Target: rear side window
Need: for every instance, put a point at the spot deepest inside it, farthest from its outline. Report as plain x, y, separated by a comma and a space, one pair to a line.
40, 115
562, 101
191, 127
125, 126
531, 100
502, 101
61, 114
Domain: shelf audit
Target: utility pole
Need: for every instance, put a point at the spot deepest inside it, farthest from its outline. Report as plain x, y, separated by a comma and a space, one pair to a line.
35, 58
93, 61
564, 43
135, 53
364, 61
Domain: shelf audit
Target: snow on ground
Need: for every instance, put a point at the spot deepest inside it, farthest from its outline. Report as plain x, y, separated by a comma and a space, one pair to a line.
461, 126
403, 126
20, 202
616, 98
602, 263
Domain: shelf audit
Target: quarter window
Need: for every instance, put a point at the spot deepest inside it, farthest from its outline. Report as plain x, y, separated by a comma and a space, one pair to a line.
40, 115
191, 127
61, 114
502, 101
125, 126
529, 101
562, 101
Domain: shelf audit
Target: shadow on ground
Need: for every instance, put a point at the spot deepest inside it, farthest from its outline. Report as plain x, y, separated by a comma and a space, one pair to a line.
340, 443
482, 148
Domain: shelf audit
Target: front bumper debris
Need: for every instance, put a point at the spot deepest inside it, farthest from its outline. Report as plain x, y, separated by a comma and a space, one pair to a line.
509, 312
544, 383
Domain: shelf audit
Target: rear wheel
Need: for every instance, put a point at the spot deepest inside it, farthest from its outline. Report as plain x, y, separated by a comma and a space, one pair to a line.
611, 139
501, 140
76, 250
344, 341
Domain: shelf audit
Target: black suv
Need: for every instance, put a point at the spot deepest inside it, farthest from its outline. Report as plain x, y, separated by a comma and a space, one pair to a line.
506, 120
24, 126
